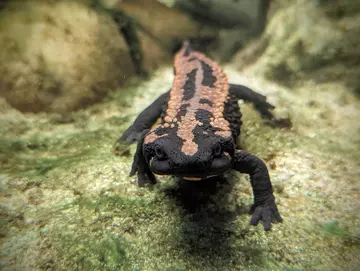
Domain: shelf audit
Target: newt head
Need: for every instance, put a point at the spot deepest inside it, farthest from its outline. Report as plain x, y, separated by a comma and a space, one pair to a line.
212, 155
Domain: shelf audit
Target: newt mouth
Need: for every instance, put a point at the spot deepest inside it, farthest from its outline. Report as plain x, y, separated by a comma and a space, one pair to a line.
198, 178
192, 178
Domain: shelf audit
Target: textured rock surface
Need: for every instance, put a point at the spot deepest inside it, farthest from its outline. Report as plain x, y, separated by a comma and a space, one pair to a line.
67, 202
309, 39
59, 56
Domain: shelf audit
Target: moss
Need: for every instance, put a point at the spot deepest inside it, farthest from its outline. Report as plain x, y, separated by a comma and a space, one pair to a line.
36, 155
108, 252
93, 241
271, 141
274, 266
334, 228
11, 146
136, 207
118, 120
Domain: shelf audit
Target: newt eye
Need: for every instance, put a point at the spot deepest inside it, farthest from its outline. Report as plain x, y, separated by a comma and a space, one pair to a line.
217, 150
160, 154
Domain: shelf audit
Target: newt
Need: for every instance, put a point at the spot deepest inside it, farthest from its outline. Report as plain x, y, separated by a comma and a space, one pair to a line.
199, 125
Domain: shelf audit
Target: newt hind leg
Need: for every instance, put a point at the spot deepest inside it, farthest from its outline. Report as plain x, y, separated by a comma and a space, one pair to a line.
260, 104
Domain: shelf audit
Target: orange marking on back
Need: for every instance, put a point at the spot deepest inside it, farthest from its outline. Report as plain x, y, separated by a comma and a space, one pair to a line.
218, 95
151, 137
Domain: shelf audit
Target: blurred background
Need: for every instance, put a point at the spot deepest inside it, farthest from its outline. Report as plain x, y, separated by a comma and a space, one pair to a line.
64, 55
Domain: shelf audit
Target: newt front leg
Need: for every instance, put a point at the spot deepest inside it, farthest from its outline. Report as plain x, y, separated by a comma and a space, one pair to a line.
145, 120
140, 166
264, 207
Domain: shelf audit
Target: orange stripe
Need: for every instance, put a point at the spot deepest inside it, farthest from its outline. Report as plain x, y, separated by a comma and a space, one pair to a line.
218, 95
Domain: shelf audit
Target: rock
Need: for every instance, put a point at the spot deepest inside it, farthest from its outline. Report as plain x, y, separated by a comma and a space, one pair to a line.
237, 21
75, 54
59, 56
308, 40
226, 13
160, 28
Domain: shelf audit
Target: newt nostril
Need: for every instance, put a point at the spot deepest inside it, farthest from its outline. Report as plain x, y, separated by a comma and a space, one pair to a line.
160, 153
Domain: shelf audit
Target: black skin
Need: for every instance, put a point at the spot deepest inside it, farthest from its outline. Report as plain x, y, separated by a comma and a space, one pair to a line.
264, 208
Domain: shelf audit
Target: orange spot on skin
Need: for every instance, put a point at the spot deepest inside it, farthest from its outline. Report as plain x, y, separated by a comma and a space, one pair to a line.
205, 107
151, 137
